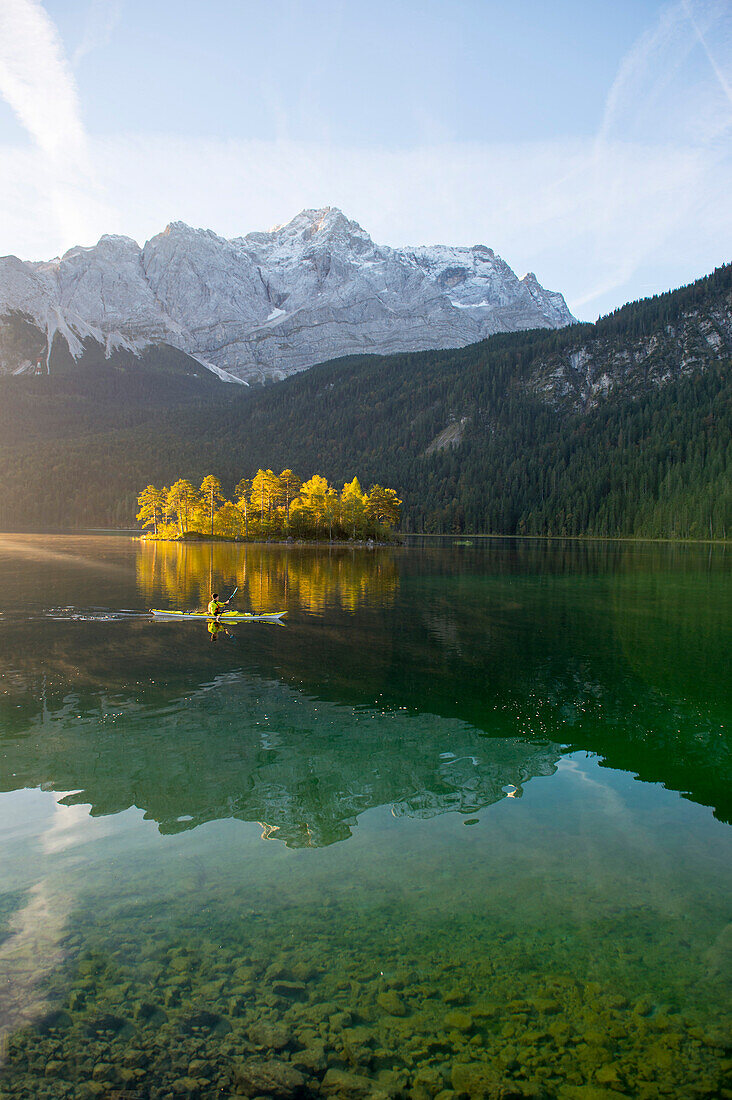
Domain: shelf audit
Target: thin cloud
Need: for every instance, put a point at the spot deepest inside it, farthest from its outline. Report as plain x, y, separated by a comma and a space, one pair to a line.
665, 102
102, 18
701, 35
670, 87
38, 84
36, 80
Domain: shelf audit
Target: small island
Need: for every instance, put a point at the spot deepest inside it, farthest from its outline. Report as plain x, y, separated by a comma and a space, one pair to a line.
269, 507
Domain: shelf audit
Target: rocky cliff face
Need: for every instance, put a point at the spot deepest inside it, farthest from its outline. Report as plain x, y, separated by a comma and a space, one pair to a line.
267, 305
579, 378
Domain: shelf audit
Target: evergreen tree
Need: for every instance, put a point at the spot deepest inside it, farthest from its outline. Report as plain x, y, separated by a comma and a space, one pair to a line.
266, 489
243, 490
182, 501
353, 506
383, 506
313, 497
290, 486
152, 503
212, 496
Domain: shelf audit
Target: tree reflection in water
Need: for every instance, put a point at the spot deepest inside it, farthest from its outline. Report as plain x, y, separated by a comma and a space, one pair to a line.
185, 574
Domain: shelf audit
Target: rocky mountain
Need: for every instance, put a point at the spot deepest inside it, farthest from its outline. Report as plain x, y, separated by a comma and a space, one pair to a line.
264, 306
621, 427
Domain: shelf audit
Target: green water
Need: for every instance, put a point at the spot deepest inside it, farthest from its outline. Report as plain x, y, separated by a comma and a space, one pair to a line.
459, 829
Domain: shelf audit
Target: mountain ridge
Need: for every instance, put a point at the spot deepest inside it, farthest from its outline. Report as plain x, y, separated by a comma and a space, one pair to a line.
622, 427
269, 304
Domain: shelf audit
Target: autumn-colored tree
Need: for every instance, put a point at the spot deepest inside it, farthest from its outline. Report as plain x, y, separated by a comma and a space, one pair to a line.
151, 502
291, 485
312, 496
353, 505
182, 501
265, 491
228, 520
331, 510
273, 501
382, 505
242, 491
212, 496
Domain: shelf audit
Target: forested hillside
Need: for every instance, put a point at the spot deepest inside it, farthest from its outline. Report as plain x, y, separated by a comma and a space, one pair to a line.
619, 428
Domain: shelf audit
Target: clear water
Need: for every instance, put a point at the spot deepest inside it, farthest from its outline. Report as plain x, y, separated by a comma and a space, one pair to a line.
459, 829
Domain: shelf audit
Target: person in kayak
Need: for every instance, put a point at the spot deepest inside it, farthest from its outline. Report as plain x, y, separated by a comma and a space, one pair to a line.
216, 606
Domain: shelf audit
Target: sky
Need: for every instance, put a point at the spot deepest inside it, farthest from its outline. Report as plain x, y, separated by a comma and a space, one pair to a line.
589, 143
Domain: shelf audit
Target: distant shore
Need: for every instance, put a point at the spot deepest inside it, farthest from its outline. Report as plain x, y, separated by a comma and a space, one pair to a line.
405, 538
402, 539
198, 540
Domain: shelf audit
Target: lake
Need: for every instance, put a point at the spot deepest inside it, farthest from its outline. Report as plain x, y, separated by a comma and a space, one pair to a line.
458, 829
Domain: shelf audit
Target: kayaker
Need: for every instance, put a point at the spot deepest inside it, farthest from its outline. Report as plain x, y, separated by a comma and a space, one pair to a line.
216, 606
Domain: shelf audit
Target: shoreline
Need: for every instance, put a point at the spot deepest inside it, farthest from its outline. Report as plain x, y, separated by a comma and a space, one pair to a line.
581, 538
404, 539
352, 544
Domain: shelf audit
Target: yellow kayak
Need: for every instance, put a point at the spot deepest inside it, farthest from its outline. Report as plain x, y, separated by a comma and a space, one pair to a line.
224, 616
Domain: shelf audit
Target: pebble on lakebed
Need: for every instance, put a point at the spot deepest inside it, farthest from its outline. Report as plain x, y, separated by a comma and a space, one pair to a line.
220, 1019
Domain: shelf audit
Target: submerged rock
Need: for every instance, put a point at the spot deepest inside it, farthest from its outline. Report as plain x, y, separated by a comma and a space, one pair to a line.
343, 1083
312, 1060
207, 1021
291, 990
458, 1021
273, 1078
479, 1080
269, 1036
391, 1003
187, 1086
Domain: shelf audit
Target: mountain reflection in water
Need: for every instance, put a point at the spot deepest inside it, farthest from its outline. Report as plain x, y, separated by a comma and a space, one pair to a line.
429, 681
260, 751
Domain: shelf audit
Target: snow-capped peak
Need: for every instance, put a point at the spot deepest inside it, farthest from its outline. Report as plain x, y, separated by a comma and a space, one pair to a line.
178, 227
271, 303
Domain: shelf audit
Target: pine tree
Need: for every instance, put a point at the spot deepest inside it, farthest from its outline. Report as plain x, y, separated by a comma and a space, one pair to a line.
182, 500
290, 486
383, 506
212, 496
353, 506
151, 502
313, 496
243, 489
265, 491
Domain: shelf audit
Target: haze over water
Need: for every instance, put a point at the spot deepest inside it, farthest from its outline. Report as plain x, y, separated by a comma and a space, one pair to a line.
460, 826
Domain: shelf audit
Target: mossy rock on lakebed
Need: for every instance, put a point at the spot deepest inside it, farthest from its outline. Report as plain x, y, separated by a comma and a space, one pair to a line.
208, 1018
